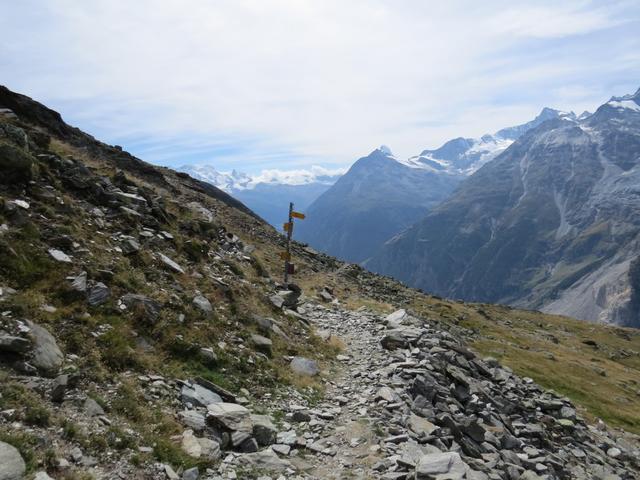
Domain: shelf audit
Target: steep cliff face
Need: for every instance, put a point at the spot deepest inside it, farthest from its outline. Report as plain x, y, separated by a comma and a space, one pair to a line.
552, 223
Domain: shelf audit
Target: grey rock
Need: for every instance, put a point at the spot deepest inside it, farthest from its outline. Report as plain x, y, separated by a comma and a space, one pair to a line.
393, 341
143, 305
79, 283
264, 431
14, 344
198, 395
98, 294
130, 246
229, 416
46, 357
59, 388
441, 466
193, 419
203, 304
12, 466
262, 344
92, 408
264, 460
191, 474
59, 256
304, 366
170, 264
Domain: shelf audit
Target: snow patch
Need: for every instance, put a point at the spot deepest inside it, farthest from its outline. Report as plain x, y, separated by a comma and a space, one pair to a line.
625, 105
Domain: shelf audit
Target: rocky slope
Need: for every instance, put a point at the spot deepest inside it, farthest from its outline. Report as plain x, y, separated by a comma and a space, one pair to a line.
380, 195
143, 336
549, 224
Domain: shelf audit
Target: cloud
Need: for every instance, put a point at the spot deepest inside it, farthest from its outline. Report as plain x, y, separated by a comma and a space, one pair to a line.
257, 84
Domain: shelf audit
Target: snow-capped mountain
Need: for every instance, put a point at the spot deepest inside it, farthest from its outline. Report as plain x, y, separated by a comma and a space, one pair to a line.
466, 155
553, 223
269, 192
382, 195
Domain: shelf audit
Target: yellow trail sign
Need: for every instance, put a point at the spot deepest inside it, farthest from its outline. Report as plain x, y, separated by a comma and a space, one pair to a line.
299, 215
287, 226
285, 256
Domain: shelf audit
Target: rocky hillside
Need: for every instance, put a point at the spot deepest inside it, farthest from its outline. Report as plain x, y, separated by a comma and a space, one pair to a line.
144, 335
550, 224
381, 195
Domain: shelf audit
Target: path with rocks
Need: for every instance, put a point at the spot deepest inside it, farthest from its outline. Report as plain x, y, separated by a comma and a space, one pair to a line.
410, 401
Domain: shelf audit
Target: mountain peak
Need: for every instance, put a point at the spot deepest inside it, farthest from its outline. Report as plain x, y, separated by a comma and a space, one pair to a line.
385, 150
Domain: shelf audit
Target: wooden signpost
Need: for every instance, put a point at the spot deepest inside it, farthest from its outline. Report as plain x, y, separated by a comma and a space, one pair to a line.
289, 268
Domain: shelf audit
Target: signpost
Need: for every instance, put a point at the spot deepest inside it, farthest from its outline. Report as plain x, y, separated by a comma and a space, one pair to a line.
289, 268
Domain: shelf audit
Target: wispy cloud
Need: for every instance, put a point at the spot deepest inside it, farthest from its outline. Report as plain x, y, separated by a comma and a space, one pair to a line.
256, 84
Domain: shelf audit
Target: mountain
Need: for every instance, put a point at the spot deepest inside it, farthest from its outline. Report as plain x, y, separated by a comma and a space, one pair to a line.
552, 223
144, 335
269, 193
380, 195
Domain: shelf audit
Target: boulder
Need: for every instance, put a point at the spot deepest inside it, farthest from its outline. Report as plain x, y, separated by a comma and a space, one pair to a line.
304, 366
59, 388
79, 283
229, 416
12, 466
46, 356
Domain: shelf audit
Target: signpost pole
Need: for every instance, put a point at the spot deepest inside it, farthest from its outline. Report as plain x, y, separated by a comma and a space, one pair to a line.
288, 254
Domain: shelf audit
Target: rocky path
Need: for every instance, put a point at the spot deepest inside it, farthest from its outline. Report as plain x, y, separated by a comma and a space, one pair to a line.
409, 401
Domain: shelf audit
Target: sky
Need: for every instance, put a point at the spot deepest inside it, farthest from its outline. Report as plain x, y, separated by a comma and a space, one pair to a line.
287, 84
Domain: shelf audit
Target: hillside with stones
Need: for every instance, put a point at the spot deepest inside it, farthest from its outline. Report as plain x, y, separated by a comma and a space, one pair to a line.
144, 335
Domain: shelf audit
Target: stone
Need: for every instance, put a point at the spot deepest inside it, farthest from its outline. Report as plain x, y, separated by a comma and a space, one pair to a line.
142, 305
14, 344
287, 438
614, 452
386, 394
229, 416
59, 256
98, 294
92, 408
170, 473
304, 366
170, 264
393, 341
12, 466
42, 476
266, 460
130, 246
419, 425
191, 474
46, 356
264, 431
396, 317
200, 447
203, 304
192, 419
441, 466
59, 388
198, 395
262, 344
79, 283
277, 301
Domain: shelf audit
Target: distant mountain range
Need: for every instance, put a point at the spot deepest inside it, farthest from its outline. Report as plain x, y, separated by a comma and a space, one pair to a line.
269, 193
381, 195
552, 223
